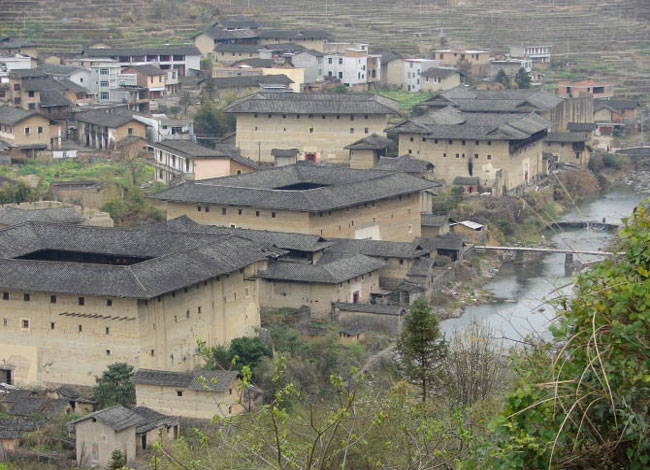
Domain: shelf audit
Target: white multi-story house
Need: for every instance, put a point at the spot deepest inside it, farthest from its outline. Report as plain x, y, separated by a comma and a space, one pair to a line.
536, 54
180, 58
346, 61
312, 62
104, 76
413, 69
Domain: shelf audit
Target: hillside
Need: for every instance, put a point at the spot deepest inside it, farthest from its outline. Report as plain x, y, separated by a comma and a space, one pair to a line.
610, 39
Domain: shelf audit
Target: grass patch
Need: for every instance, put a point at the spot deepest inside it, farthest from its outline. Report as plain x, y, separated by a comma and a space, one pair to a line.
406, 99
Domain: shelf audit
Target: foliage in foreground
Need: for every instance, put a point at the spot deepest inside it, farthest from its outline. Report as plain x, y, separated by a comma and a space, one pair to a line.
587, 404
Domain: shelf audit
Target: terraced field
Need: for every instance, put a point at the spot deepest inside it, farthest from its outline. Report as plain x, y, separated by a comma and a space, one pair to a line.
609, 38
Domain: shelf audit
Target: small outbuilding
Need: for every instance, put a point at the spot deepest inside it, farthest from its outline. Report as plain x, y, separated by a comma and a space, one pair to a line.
99, 434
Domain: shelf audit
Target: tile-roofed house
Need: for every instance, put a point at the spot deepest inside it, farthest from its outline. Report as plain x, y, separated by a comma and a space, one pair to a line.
503, 149
567, 137
366, 152
377, 248
99, 281
255, 62
449, 245
98, 434
509, 101
319, 124
28, 130
435, 79
238, 22
283, 157
312, 198
581, 126
309, 38
13, 429
434, 225
102, 130
378, 317
612, 114
183, 160
198, 394
251, 83
333, 271
569, 147
14, 215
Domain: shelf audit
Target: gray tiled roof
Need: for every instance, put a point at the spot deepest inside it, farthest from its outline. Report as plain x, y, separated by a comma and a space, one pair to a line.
219, 33
14, 215
49, 83
379, 309
294, 34
405, 163
147, 69
11, 116
284, 47
117, 418
138, 51
615, 105
433, 220
512, 101
566, 137
377, 248
328, 270
635, 152
58, 70
238, 21
372, 142
314, 103
285, 152
421, 267
335, 188
450, 123
174, 260
51, 98
447, 242
248, 81
283, 240
151, 419
199, 380
191, 150
441, 72
247, 48
105, 119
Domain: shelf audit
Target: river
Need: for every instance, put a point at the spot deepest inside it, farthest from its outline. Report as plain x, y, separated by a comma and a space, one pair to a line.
523, 290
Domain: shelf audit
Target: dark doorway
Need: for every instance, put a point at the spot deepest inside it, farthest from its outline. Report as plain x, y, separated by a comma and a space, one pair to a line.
6, 376
144, 441
470, 168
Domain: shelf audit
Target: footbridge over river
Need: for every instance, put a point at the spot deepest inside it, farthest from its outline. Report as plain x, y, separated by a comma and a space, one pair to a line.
568, 259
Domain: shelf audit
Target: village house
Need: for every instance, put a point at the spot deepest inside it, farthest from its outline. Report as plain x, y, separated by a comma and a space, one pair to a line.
231, 53
200, 394
150, 77
140, 296
154, 428
366, 152
470, 231
308, 38
103, 130
311, 62
539, 56
412, 166
35, 90
100, 433
568, 89
217, 35
379, 317
176, 161
10, 46
568, 147
503, 151
478, 60
613, 114
12, 431
79, 75
510, 66
306, 198
52, 211
439, 79
183, 59
412, 70
320, 125
351, 64
434, 225
104, 76
28, 131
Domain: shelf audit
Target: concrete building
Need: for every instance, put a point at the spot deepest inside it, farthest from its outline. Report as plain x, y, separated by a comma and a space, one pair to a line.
176, 161
351, 64
538, 55
312, 62
413, 68
306, 198
439, 79
79, 75
103, 130
503, 151
183, 59
478, 59
319, 125
85, 297
150, 77
570, 89
200, 394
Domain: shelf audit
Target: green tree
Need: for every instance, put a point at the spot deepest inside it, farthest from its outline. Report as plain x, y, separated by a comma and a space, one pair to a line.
503, 79
118, 460
522, 79
249, 351
114, 387
422, 347
211, 121
587, 403
15, 193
